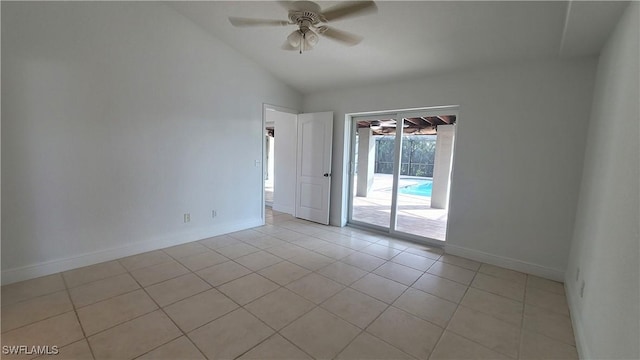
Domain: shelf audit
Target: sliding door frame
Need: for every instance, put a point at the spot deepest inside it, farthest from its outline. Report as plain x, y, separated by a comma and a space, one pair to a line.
399, 116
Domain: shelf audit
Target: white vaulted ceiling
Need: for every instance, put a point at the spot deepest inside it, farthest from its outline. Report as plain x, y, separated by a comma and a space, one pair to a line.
413, 38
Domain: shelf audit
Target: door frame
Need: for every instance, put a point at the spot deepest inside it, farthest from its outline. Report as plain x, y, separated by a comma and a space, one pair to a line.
350, 123
268, 107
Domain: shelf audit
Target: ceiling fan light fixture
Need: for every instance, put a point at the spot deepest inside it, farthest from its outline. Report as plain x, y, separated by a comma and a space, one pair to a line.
295, 38
303, 39
310, 39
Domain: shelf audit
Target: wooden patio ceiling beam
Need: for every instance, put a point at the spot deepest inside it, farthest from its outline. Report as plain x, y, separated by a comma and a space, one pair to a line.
413, 121
445, 119
427, 120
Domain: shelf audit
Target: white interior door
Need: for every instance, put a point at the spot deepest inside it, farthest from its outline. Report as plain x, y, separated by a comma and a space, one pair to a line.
284, 185
313, 174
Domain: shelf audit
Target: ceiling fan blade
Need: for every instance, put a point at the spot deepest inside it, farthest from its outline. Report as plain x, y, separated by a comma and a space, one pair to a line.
299, 5
349, 9
289, 5
344, 37
243, 22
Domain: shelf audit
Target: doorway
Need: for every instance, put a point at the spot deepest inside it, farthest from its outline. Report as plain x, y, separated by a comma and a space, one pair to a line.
269, 141
297, 157
401, 169
280, 126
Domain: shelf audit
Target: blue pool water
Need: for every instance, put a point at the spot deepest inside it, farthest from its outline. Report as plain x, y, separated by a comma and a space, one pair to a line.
421, 189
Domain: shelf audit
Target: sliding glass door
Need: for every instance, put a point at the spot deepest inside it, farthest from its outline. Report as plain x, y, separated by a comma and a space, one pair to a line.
372, 180
400, 172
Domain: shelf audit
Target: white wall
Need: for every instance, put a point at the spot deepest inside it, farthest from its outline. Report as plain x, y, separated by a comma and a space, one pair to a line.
519, 149
286, 135
606, 241
117, 118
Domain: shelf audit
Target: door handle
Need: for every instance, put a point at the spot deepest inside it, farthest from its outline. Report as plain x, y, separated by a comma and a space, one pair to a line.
326, 174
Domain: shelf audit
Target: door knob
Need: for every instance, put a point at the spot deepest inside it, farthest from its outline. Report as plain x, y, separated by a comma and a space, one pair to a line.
326, 175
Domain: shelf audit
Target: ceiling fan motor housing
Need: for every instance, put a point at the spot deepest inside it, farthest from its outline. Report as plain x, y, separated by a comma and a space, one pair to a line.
304, 18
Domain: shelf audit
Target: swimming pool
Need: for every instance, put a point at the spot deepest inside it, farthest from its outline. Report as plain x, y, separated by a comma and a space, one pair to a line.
421, 189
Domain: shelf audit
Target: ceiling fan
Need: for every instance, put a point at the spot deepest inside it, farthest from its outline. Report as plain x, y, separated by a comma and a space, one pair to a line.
308, 16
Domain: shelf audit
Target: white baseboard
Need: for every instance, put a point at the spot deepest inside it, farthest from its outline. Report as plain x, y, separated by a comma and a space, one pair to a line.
505, 262
55, 266
576, 320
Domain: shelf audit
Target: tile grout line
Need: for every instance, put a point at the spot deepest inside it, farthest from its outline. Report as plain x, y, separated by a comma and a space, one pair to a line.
243, 307
482, 312
165, 314
435, 345
319, 306
467, 286
476, 342
380, 314
253, 300
276, 331
75, 311
409, 287
158, 305
524, 306
372, 321
74, 307
458, 304
45, 318
363, 330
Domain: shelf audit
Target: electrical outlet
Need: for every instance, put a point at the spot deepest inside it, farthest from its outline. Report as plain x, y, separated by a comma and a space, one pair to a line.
578, 274
214, 213
187, 218
582, 288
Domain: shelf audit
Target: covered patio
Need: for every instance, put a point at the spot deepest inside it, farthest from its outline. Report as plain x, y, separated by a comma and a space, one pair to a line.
414, 216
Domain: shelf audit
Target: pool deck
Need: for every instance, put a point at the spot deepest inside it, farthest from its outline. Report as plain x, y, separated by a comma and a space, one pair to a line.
415, 215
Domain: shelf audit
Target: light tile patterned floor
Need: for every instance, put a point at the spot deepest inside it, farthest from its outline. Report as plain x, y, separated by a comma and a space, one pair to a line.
291, 290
